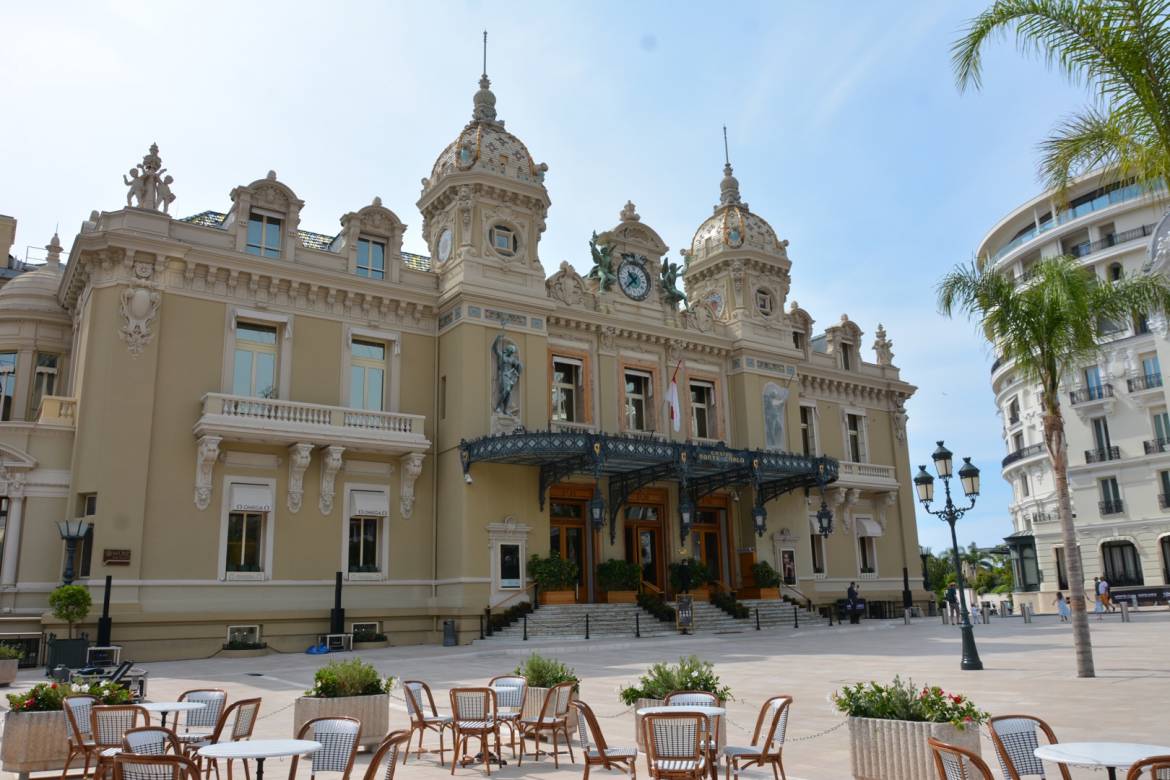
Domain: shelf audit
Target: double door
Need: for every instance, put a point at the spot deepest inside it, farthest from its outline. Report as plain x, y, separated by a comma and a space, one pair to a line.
567, 536
710, 531
643, 538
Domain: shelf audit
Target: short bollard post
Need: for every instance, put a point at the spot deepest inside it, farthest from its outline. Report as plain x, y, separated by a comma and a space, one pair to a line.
637, 626
488, 620
757, 618
481, 626
795, 617
525, 628
1026, 611
985, 611
1124, 611
943, 613
906, 616
586, 625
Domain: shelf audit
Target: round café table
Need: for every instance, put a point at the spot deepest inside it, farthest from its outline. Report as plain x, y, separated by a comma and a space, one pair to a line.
165, 707
1110, 756
260, 749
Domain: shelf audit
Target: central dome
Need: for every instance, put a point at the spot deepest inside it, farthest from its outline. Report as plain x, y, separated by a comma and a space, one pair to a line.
484, 145
733, 225
36, 291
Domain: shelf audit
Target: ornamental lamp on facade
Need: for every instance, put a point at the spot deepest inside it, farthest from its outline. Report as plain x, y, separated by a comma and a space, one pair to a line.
760, 519
969, 476
72, 531
924, 484
824, 519
686, 513
942, 458
597, 509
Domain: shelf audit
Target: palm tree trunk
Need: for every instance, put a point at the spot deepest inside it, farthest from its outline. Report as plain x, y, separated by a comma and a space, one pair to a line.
1058, 452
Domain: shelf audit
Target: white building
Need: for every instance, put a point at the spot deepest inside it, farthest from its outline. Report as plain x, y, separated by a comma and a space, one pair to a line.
1115, 410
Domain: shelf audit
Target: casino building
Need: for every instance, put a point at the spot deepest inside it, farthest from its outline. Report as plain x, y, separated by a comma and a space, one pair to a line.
239, 408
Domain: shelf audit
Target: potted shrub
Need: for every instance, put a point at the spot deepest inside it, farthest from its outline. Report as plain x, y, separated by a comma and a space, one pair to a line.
889, 726
556, 577
36, 735
689, 674
351, 688
369, 640
690, 575
620, 580
10, 656
767, 581
70, 603
543, 673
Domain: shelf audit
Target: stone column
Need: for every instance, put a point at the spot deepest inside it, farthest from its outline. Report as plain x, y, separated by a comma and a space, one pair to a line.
12, 535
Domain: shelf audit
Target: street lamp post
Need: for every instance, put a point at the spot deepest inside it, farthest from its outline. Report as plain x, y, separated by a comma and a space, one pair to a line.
72, 531
924, 484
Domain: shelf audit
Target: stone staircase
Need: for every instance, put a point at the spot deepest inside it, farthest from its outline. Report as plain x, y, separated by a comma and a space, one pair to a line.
605, 620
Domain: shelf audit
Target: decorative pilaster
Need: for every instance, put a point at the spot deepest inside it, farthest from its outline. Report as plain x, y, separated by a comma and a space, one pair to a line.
330, 465
412, 463
12, 530
299, 455
206, 454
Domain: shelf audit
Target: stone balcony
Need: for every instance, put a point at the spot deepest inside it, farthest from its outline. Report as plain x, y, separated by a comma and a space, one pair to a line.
57, 410
280, 422
866, 476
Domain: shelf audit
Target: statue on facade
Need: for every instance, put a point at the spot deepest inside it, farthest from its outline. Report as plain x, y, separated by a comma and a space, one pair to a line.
147, 185
883, 347
603, 269
508, 370
670, 291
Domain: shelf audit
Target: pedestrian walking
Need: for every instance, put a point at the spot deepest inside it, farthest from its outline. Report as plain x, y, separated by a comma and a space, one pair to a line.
1106, 594
1062, 607
1098, 604
853, 607
952, 599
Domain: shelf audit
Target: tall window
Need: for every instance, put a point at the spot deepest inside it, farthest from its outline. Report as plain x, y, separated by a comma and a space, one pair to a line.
818, 553
1122, 564
87, 508
44, 382
1110, 496
847, 357
7, 383
1061, 569
1093, 383
1025, 487
856, 445
371, 258
367, 375
1164, 496
1013, 411
1152, 370
255, 360
363, 544
1161, 421
798, 340
639, 401
1017, 441
567, 390
263, 235
244, 542
1101, 436
703, 410
808, 430
867, 551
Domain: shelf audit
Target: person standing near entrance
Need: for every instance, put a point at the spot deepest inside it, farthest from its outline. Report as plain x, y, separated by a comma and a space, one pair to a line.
851, 605
952, 599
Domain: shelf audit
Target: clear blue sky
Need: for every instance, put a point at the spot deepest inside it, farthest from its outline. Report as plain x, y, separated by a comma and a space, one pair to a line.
847, 134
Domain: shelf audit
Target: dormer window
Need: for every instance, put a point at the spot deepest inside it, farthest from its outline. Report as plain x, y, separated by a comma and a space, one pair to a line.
847, 357
504, 240
798, 340
371, 258
263, 234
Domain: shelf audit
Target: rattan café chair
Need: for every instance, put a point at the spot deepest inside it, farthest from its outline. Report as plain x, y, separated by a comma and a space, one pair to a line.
597, 751
130, 766
151, 741
109, 724
511, 693
1152, 768
204, 720
676, 745
81, 744
553, 719
395, 744
474, 713
420, 705
339, 738
1016, 738
768, 751
956, 763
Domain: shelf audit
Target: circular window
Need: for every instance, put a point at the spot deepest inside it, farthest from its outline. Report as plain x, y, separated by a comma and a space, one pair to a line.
504, 240
444, 245
765, 302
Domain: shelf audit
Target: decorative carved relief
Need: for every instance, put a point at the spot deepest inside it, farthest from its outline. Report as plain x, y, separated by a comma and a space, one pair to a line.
900, 418
299, 455
412, 463
206, 453
566, 286
147, 185
883, 347
330, 465
139, 307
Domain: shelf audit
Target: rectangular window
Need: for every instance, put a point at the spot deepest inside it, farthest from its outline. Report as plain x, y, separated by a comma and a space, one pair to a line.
798, 340
3, 523
44, 382
245, 551
1025, 487
703, 410
808, 430
1152, 370
1110, 496
856, 446
1017, 442
639, 401
1101, 434
263, 235
1121, 563
1093, 386
818, 553
367, 375
87, 508
1014, 411
1164, 496
1161, 421
254, 372
568, 392
7, 384
1061, 569
510, 566
363, 544
371, 258
867, 551
847, 357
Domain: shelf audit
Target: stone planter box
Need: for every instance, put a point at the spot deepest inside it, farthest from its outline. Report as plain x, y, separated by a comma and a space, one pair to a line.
8, 671
897, 749
758, 593
373, 711
640, 738
558, 597
34, 741
371, 645
621, 597
256, 653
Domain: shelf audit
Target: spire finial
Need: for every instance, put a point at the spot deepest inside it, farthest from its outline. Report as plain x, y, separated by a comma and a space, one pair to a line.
726, 155
485, 54
485, 101
729, 187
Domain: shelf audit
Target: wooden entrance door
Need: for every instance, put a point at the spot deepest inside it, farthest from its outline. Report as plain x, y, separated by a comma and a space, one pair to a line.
566, 534
644, 542
709, 537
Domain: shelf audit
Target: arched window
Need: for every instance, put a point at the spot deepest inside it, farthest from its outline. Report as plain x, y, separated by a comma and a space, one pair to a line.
1115, 272
1122, 564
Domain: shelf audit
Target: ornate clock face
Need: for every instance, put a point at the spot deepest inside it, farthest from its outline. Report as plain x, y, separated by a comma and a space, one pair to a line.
445, 245
634, 280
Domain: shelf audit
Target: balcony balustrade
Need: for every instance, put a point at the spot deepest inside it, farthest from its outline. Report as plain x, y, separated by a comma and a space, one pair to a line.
1091, 393
57, 410
1163, 501
1136, 384
872, 476
1155, 446
1023, 452
1103, 454
1111, 507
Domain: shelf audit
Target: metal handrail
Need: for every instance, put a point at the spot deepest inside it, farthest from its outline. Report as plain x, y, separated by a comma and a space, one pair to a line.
650, 586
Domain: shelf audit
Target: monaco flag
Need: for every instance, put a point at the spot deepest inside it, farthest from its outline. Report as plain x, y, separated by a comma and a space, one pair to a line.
672, 401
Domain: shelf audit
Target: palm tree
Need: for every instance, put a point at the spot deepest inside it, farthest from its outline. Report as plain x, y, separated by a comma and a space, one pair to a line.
1120, 50
1049, 325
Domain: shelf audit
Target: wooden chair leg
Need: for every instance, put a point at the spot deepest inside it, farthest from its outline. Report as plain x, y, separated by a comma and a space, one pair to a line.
556, 759
569, 743
484, 751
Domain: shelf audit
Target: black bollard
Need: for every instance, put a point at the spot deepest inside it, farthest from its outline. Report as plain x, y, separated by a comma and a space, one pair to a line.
525, 628
795, 617
488, 620
757, 618
105, 625
481, 626
337, 614
637, 626
586, 625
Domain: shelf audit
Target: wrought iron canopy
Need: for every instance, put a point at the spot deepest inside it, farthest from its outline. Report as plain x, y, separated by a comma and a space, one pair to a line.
632, 462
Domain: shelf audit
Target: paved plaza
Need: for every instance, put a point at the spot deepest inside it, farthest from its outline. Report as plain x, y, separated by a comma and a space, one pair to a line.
1029, 668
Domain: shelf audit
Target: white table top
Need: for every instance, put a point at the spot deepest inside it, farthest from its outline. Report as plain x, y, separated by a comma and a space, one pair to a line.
1120, 755
702, 709
261, 748
172, 706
